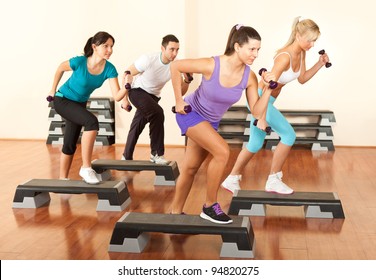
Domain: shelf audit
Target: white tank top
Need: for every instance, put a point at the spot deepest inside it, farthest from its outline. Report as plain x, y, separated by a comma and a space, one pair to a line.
289, 75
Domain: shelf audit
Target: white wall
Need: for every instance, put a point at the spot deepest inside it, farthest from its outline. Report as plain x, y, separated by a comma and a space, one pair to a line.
39, 34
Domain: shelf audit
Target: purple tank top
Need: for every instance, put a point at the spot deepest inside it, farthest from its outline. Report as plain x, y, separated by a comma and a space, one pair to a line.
211, 100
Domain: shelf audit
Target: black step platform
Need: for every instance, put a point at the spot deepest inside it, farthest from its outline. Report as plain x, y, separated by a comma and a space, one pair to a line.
130, 232
325, 117
166, 174
316, 204
112, 195
102, 115
319, 132
313, 143
105, 129
100, 140
96, 103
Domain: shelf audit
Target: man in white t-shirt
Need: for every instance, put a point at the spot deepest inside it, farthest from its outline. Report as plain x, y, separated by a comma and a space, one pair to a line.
153, 72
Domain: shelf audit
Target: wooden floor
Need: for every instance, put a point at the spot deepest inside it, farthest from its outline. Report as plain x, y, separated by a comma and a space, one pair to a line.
71, 228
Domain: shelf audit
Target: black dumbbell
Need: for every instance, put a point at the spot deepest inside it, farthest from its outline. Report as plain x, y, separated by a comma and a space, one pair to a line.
129, 107
272, 84
267, 129
190, 78
328, 64
50, 98
127, 85
187, 109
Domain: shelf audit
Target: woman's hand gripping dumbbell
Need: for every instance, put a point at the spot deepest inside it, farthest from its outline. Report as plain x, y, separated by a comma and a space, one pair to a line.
267, 129
187, 109
328, 64
127, 87
272, 84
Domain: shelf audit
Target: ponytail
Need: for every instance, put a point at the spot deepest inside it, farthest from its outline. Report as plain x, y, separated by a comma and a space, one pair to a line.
304, 27
88, 49
98, 39
240, 34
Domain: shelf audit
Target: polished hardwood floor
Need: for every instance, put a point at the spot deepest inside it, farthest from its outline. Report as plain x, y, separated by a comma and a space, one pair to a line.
71, 228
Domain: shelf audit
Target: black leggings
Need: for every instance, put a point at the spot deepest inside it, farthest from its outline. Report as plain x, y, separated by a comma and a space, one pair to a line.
76, 116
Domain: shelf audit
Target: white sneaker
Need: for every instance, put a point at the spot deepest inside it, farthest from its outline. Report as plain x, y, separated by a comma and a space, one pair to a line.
231, 183
89, 175
275, 184
158, 159
123, 158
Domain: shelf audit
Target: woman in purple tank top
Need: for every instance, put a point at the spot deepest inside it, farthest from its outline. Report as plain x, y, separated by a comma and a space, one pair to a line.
224, 79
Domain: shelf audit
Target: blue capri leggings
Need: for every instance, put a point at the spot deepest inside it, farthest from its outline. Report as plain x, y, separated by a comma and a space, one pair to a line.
277, 122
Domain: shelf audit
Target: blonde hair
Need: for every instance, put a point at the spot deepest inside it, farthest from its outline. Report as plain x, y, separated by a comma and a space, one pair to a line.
306, 28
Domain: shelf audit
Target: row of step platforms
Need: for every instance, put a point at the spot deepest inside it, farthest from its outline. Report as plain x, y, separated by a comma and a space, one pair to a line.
313, 128
131, 232
102, 108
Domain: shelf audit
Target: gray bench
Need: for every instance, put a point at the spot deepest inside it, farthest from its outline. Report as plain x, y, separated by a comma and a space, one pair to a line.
166, 174
131, 232
316, 204
112, 195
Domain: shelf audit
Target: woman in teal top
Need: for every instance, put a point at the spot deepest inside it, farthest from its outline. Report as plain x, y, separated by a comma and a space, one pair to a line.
89, 73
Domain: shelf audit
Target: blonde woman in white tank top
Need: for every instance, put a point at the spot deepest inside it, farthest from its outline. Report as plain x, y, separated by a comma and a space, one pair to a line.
289, 64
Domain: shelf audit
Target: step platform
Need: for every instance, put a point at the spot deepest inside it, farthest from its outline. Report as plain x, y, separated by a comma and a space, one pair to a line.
112, 195
131, 232
316, 204
99, 140
96, 103
313, 143
105, 129
166, 174
323, 117
319, 117
101, 103
105, 116
302, 131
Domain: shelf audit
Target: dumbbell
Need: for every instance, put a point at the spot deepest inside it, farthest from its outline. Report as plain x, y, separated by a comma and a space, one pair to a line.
127, 85
187, 109
129, 107
190, 78
272, 84
328, 64
50, 98
267, 129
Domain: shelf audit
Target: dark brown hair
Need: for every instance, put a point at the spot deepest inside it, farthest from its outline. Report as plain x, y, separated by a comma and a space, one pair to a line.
98, 39
241, 35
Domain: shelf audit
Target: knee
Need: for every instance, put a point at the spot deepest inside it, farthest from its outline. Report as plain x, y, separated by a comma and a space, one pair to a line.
289, 137
254, 145
91, 123
158, 114
191, 171
223, 154
69, 148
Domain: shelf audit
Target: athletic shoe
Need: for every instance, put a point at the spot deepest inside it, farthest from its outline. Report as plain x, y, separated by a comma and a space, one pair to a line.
89, 175
231, 183
158, 159
275, 184
123, 158
215, 214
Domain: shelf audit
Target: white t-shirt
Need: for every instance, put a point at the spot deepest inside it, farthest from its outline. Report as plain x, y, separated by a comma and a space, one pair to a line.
153, 73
